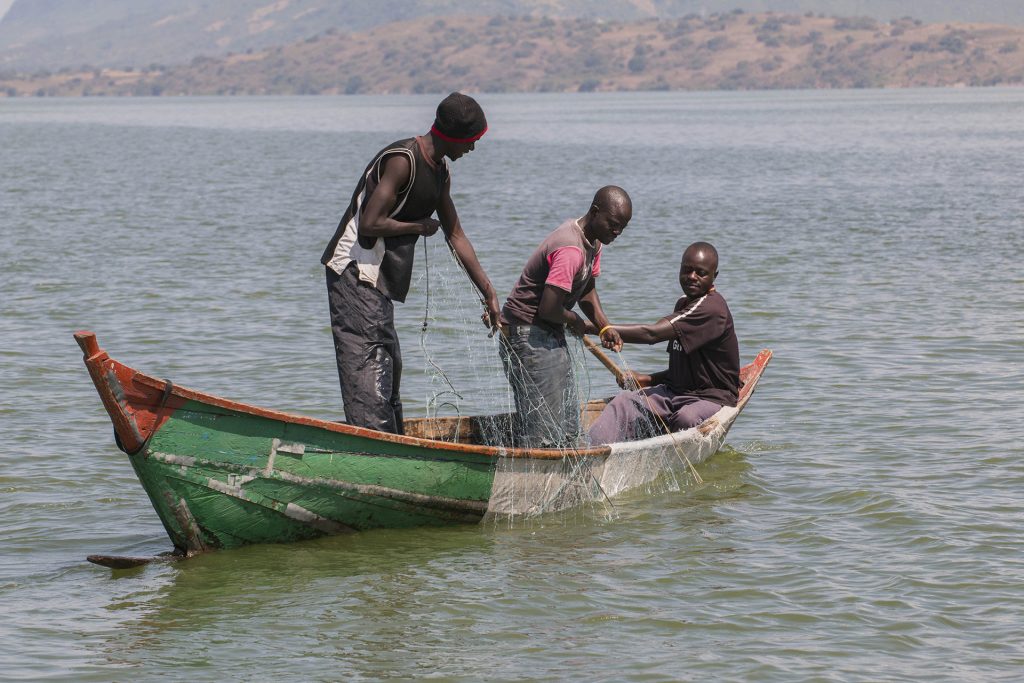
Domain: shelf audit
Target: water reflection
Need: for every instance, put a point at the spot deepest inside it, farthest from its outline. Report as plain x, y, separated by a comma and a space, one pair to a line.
387, 602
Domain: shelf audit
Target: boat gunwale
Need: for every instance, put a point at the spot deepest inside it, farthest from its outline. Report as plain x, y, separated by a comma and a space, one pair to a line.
756, 367
96, 360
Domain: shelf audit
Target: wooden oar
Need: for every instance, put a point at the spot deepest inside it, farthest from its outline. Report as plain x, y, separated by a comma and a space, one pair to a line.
603, 357
129, 562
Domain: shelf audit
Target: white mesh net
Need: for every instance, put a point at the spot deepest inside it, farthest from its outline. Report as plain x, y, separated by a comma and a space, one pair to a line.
471, 396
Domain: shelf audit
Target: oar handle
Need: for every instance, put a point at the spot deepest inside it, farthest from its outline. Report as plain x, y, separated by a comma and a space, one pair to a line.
603, 357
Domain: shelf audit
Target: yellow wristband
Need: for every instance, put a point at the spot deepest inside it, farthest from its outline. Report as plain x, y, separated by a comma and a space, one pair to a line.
606, 327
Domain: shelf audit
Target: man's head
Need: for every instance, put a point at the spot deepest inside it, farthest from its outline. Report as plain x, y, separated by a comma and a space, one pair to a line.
458, 124
698, 269
609, 214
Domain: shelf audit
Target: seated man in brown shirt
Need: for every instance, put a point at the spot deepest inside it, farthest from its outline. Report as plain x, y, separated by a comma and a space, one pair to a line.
703, 365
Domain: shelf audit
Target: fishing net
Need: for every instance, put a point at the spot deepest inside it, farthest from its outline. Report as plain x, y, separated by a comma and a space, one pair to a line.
470, 399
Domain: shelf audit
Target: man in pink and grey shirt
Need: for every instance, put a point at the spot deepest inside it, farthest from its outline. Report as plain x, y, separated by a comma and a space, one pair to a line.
558, 275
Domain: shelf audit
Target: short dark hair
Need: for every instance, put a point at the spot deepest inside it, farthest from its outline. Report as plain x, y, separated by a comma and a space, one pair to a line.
459, 118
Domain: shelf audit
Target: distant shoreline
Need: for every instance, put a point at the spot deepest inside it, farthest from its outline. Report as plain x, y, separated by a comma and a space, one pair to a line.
732, 51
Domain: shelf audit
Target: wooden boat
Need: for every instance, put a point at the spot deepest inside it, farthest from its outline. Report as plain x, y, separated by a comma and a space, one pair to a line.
221, 474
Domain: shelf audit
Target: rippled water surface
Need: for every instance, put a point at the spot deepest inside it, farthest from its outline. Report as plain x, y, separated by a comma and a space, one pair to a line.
863, 522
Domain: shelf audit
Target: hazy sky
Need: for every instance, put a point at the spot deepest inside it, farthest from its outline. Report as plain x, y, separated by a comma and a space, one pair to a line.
4, 6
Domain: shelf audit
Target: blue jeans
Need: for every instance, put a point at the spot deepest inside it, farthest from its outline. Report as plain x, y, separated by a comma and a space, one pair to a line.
540, 371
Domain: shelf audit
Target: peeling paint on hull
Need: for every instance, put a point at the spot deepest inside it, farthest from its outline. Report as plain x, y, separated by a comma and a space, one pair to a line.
218, 481
221, 474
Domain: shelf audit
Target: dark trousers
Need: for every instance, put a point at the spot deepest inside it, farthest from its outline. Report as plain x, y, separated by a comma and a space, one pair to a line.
634, 415
366, 347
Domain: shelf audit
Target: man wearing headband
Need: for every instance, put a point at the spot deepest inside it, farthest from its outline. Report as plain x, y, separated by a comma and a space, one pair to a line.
369, 259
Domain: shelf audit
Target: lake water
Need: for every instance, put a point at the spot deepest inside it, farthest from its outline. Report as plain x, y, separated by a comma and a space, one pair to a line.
863, 522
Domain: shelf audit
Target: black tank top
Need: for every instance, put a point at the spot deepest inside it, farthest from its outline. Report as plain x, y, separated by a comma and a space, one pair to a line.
421, 197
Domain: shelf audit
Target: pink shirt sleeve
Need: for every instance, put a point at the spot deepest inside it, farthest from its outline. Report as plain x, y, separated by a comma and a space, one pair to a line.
563, 264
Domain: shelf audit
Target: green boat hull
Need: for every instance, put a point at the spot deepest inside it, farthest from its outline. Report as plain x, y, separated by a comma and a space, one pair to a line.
221, 474
220, 479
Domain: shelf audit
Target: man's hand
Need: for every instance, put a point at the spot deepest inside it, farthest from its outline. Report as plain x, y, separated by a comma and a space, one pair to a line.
428, 226
631, 379
492, 313
578, 325
611, 340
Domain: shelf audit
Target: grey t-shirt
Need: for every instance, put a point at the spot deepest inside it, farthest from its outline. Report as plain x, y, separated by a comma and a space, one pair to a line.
522, 304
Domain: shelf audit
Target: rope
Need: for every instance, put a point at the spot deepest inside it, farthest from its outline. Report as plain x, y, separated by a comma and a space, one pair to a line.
423, 334
479, 296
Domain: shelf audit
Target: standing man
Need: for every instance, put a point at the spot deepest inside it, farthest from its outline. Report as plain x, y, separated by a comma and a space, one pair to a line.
369, 259
559, 274
703, 360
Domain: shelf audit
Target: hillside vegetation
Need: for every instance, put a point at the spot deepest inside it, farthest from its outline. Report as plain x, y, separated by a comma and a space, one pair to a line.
505, 54
54, 34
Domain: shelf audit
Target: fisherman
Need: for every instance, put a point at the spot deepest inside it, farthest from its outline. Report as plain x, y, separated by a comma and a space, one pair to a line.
703, 363
560, 273
369, 259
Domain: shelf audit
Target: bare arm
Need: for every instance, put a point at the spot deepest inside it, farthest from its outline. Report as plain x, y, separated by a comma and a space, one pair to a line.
552, 309
590, 304
374, 221
464, 251
631, 378
647, 334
